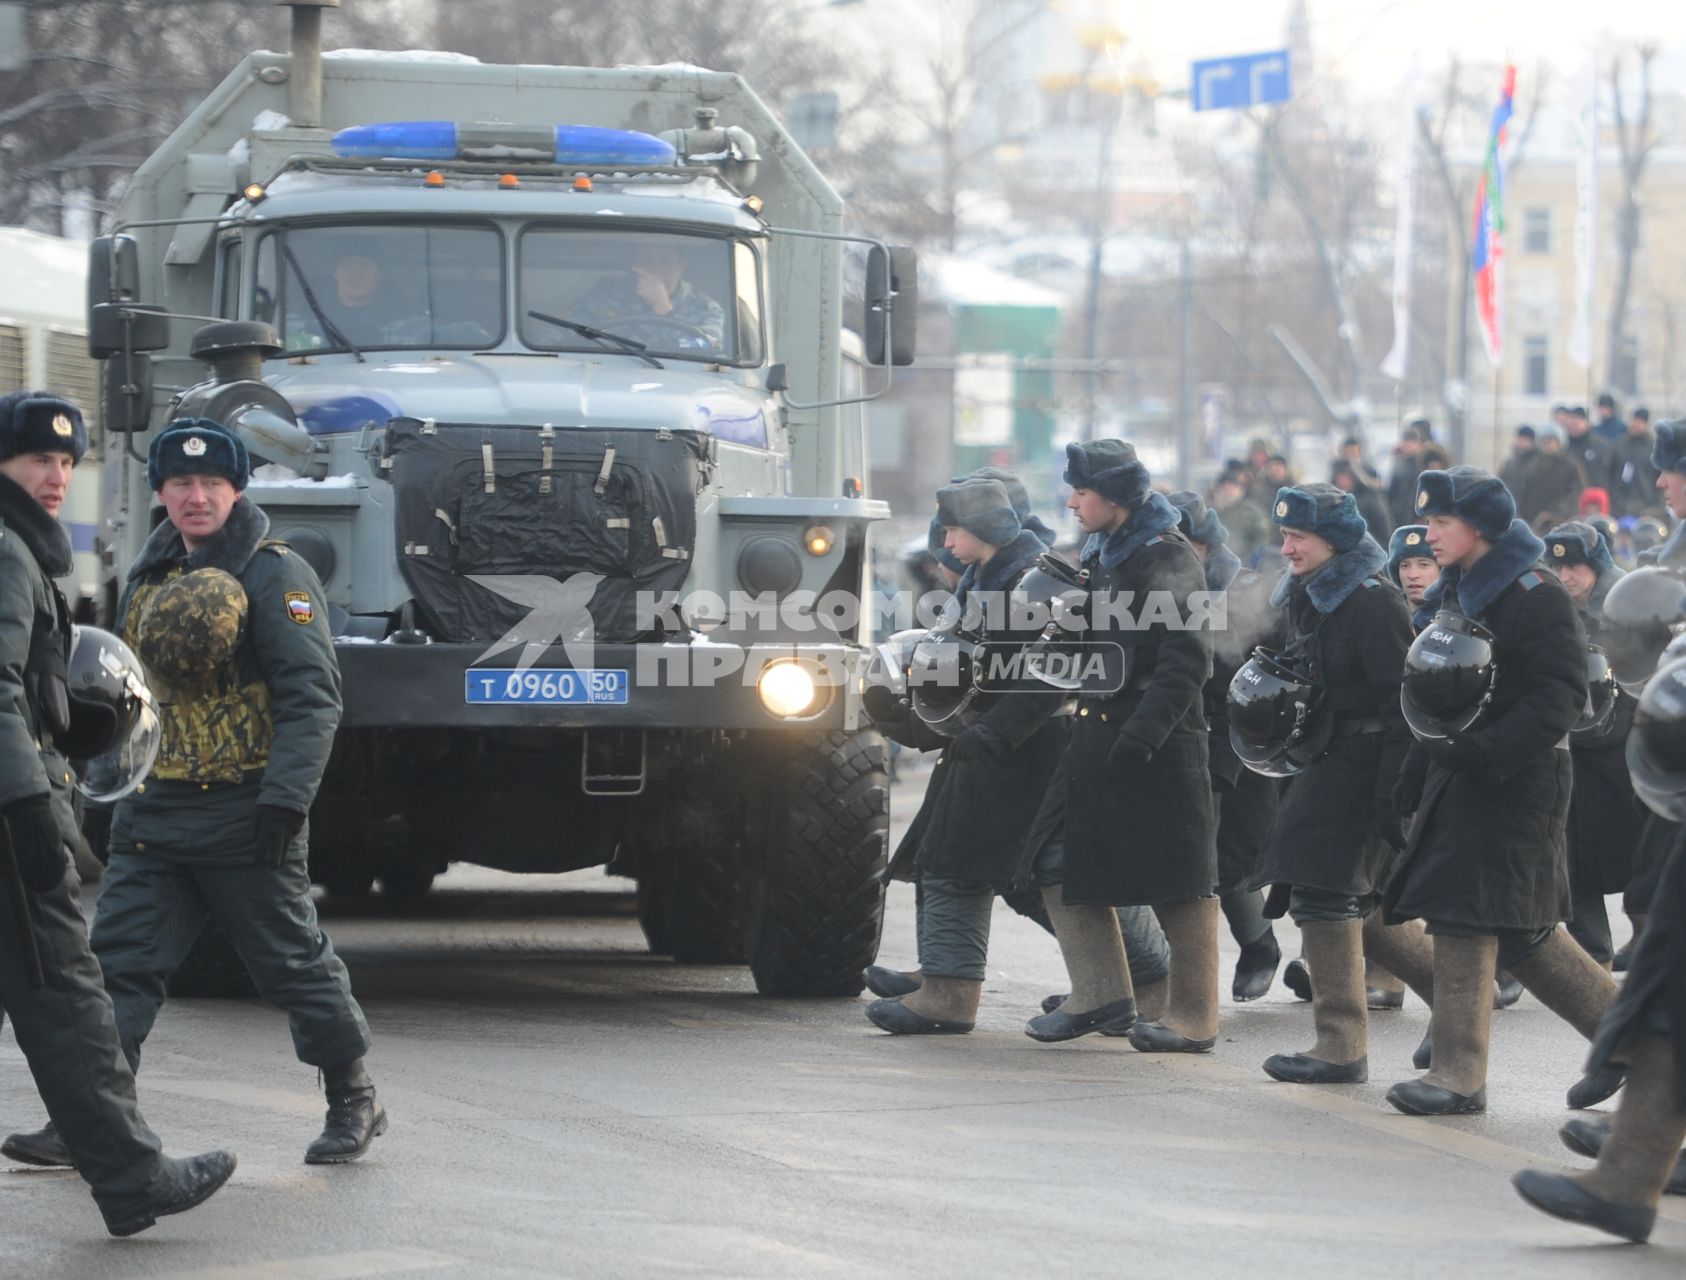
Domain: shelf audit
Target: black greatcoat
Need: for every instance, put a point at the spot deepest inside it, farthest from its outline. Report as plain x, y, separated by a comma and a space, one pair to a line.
1246, 801
976, 812
1655, 989
1140, 833
1606, 819
1487, 850
1658, 836
1351, 627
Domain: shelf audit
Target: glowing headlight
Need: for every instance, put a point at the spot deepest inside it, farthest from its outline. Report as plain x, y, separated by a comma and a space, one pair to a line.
787, 689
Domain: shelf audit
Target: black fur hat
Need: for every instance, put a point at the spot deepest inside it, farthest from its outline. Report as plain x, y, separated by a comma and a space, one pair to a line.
936, 542
1330, 513
1110, 468
1576, 542
1198, 521
1477, 497
981, 508
41, 422
1668, 453
1018, 495
197, 447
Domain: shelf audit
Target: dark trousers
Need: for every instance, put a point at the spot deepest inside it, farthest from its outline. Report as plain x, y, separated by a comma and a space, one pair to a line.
151, 912
69, 1037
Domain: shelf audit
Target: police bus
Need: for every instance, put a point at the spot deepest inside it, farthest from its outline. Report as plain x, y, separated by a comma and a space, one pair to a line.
44, 345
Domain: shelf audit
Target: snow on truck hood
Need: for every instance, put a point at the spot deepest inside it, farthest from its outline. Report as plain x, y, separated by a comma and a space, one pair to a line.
504, 390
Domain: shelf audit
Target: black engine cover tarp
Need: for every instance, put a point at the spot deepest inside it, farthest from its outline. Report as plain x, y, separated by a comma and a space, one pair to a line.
631, 518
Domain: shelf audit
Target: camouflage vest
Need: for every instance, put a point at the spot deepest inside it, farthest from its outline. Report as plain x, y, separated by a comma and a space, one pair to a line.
216, 726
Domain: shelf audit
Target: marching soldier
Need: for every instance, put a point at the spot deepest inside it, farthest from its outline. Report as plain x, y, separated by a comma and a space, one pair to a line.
1127, 820
1245, 802
234, 628
49, 980
1335, 840
1605, 817
1489, 780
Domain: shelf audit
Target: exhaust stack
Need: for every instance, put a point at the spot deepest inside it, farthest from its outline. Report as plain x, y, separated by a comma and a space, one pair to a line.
305, 78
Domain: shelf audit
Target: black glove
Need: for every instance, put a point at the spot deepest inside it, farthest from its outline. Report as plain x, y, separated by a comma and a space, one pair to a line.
1407, 795
96, 830
1388, 821
276, 829
1460, 755
37, 846
1128, 749
980, 742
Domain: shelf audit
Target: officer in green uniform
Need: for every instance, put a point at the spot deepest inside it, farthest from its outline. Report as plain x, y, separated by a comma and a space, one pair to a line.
234, 629
49, 981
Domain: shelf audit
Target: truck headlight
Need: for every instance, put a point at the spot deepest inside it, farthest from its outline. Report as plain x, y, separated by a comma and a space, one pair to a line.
787, 689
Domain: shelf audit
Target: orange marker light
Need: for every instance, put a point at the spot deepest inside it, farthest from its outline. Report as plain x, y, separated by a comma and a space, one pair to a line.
582, 183
434, 179
509, 182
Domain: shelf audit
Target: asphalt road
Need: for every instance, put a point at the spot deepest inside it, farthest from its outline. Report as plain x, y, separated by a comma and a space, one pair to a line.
565, 1104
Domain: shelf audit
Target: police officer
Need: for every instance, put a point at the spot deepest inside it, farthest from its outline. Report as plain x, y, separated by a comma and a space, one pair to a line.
1644, 1032
1335, 839
1128, 818
1410, 563
967, 843
219, 831
1605, 817
1245, 802
1486, 867
49, 980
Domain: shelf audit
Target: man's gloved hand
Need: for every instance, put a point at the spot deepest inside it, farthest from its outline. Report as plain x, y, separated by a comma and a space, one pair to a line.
980, 742
1388, 820
96, 830
1407, 795
37, 846
1128, 749
275, 831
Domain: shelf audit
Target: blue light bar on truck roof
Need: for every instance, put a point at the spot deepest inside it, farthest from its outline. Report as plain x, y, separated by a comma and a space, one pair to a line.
446, 140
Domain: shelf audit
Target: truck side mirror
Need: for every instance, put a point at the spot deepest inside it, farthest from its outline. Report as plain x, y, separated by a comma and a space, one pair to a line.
126, 392
113, 270
892, 290
118, 327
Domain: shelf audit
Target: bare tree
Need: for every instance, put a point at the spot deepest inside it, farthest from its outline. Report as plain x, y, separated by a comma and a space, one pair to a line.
1636, 141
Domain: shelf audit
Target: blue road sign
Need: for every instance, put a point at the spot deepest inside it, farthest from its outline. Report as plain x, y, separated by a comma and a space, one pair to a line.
1248, 80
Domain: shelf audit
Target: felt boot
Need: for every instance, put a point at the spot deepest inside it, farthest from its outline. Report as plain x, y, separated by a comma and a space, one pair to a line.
1587, 1136
1571, 984
1190, 1021
1508, 991
1620, 1195
1151, 999
1382, 990
1335, 950
1404, 951
940, 1007
1255, 969
892, 984
1101, 997
1461, 1023
1296, 976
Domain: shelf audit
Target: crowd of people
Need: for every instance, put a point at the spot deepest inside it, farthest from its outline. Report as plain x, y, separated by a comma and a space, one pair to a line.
1574, 467
1403, 736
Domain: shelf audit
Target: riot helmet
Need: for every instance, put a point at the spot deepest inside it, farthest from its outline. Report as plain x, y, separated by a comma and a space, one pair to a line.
1450, 672
1058, 593
1641, 615
940, 681
1656, 749
192, 624
1277, 722
114, 731
1599, 714
884, 688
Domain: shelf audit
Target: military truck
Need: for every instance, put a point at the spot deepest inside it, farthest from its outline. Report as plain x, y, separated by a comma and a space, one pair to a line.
547, 372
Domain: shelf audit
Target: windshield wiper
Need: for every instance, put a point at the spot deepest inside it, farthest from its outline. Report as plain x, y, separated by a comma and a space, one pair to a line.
628, 345
331, 329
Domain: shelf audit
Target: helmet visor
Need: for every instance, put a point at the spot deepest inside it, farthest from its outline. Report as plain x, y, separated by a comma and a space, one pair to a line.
119, 771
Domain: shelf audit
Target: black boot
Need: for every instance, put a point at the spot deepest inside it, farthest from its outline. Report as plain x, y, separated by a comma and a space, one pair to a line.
1297, 978
1596, 1087
180, 1185
43, 1148
892, 984
1587, 1138
1255, 970
1507, 992
355, 1119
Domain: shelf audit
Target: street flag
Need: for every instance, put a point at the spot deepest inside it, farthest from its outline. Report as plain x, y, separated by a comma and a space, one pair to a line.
1404, 229
1586, 213
1489, 252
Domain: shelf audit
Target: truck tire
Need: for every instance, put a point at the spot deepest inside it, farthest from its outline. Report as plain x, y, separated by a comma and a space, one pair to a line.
817, 907
213, 970
406, 881
690, 904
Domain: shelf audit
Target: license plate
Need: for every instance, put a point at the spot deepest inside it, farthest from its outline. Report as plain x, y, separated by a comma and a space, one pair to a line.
544, 686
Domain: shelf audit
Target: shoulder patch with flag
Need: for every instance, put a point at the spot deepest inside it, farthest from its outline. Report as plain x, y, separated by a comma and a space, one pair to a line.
299, 607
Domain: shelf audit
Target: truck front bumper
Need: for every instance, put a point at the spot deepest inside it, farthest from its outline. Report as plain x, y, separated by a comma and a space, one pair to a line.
662, 686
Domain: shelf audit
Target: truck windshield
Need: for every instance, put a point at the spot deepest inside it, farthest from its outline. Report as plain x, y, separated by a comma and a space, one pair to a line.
685, 297
369, 287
